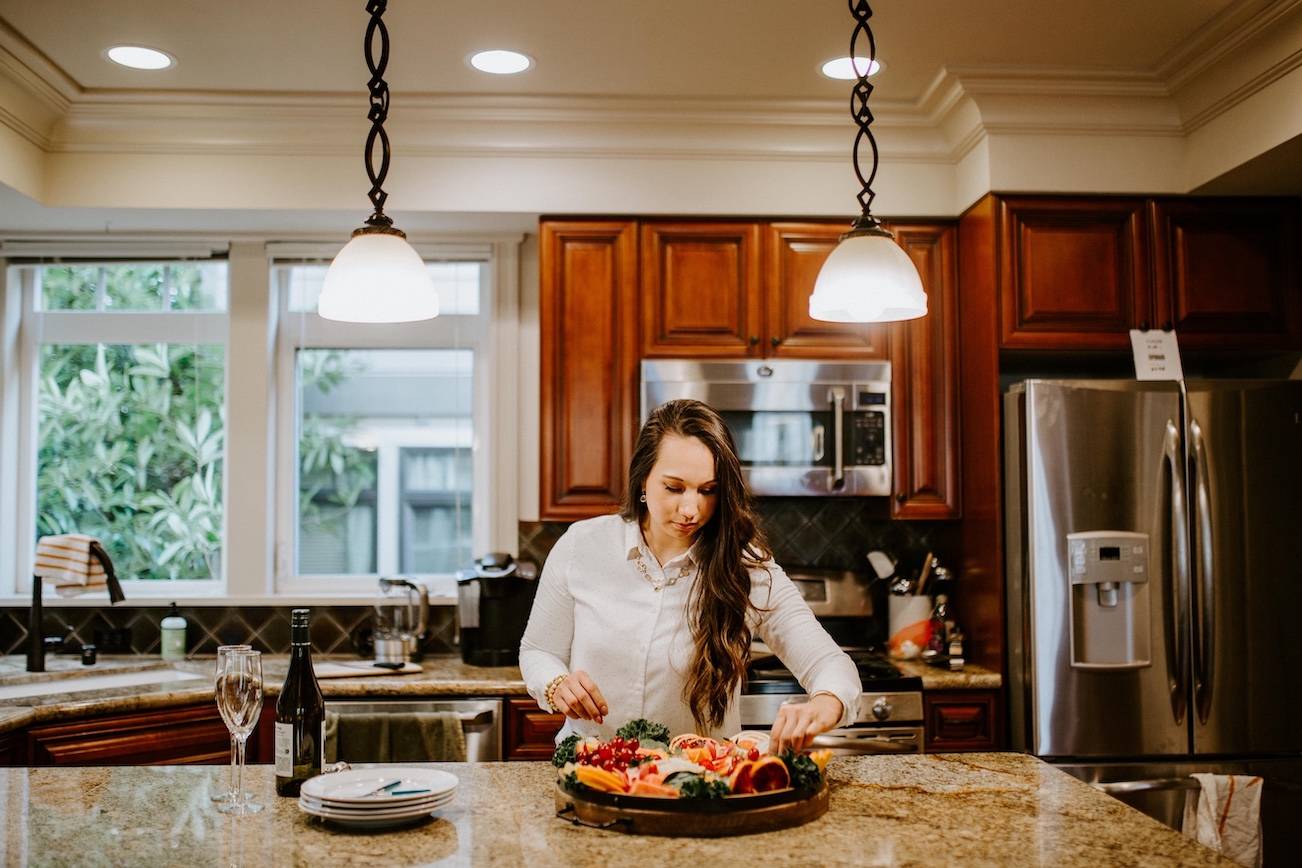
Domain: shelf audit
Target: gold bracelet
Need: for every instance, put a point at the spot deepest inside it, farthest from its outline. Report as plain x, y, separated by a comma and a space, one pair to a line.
550, 692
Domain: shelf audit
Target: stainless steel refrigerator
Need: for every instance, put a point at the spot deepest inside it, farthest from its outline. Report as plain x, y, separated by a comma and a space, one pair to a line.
1154, 580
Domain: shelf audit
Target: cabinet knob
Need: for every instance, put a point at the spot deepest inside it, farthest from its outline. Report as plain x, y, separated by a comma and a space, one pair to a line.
1166, 326
775, 341
754, 339
900, 498
1143, 326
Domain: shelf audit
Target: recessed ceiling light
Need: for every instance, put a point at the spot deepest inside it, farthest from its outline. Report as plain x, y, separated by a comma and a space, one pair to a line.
139, 57
843, 69
501, 62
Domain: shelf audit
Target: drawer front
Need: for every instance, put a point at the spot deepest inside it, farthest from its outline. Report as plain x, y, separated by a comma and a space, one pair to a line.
962, 721
530, 731
167, 737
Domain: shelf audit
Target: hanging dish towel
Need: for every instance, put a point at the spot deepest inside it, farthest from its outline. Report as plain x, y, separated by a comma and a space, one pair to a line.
1225, 815
76, 564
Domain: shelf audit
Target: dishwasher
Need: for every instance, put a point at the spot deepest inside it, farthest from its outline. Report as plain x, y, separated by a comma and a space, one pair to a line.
481, 719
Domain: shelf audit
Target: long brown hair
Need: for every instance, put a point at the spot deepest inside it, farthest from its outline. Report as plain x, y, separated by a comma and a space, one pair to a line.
729, 544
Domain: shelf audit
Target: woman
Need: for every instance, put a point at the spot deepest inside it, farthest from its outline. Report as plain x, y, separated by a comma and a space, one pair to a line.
650, 613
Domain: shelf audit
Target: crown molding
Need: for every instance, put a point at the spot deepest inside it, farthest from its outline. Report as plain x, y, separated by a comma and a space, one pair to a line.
41, 77
1249, 88
1221, 37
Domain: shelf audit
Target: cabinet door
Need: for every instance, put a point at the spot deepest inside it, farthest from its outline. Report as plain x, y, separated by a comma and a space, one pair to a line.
962, 720
1227, 272
193, 734
924, 383
700, 289
588, 402
793, 255
1073, 273
530, 731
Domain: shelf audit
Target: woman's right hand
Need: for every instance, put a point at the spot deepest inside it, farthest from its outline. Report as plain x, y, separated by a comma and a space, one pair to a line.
580, 698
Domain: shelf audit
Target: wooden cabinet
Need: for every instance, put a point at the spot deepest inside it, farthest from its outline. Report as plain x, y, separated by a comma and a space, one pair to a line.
1072, 272
13, 749
614, 291
1226, 272
700, 289
530, 732
194, 734
1077, 273
924, 383
588, 319
962, 720
793, 255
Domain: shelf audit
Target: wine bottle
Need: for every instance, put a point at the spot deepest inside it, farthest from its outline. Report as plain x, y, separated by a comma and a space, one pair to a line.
300, 714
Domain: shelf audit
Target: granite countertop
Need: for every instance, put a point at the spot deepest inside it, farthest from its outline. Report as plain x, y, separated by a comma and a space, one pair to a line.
970, 677
442, 676
937, 809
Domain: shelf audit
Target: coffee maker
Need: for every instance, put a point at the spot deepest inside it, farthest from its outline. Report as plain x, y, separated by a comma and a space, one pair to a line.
494, 598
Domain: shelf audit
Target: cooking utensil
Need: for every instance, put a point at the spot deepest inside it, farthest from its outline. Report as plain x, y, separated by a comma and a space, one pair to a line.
926, 574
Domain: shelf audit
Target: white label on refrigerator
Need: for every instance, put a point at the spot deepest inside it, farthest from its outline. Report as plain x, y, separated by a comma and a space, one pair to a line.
1157, 355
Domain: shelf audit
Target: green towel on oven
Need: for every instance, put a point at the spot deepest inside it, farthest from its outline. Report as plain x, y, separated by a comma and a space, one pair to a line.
406, 737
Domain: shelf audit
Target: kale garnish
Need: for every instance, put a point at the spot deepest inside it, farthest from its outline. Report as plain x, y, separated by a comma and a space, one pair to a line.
693, 786
644, 730
566, 751
572, 782
803, 771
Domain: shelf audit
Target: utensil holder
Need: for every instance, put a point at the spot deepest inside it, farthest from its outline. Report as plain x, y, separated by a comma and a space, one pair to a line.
910, 625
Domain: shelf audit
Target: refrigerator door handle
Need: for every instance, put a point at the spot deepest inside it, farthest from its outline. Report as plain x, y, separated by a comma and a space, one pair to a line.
1119, 788
1204, 576
1177, 574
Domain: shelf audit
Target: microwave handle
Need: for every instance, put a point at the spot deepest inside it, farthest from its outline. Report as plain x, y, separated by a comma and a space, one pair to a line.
837, 396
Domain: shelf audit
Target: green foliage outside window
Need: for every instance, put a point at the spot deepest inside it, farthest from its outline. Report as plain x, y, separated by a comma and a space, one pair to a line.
131, 439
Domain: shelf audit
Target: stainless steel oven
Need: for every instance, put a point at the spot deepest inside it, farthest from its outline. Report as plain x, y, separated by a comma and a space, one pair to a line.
886, 722
481, 720
801, 428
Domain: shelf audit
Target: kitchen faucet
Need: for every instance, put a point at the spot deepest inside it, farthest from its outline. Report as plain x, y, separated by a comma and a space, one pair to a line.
35, 630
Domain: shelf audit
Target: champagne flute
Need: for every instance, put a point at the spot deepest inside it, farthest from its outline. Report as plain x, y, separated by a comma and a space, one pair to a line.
239, 697
223, 652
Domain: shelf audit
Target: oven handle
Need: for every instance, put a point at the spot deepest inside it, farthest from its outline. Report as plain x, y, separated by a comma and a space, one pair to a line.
836, 395
869, 741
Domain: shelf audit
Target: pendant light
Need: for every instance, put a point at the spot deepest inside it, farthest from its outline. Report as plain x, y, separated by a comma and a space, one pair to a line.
867, 277
378, 277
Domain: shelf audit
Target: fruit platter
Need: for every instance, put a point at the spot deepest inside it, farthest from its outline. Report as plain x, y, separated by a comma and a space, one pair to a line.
645, 781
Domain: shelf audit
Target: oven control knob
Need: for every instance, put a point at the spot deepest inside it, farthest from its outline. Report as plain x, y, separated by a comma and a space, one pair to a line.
881, 708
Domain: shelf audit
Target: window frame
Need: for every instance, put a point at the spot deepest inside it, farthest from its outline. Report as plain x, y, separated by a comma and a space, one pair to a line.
37, 328
494, 385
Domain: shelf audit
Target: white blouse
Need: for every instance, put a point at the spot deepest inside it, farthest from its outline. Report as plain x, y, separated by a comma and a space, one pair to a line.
596, 612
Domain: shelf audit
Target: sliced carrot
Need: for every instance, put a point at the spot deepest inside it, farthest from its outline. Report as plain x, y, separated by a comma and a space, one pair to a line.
600, 779
820, 758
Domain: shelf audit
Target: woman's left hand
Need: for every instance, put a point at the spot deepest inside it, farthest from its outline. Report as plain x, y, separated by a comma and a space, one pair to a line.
799, 722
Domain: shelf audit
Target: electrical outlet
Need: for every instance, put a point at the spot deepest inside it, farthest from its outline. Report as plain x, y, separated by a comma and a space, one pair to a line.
115, 640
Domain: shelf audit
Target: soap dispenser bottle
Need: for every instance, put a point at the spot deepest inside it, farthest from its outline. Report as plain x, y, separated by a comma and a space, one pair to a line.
173, 639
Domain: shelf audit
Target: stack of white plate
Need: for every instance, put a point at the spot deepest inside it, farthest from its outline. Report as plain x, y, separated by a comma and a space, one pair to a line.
377, 798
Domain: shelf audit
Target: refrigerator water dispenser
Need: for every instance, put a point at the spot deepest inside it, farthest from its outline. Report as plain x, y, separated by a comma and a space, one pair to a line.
1108, 570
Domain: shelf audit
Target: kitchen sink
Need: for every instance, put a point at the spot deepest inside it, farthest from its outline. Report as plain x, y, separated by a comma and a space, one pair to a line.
107, 681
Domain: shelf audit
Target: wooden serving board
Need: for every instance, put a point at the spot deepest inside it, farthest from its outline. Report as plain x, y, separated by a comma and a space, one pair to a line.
709, 818
361, 669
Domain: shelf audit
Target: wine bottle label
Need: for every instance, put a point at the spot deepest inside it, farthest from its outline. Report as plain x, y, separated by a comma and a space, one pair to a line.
284, 750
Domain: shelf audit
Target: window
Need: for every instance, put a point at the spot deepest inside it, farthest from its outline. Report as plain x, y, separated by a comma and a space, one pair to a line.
124, 399
382, 437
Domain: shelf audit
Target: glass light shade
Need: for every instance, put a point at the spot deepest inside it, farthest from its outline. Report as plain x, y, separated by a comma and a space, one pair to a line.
868, 278
378, 278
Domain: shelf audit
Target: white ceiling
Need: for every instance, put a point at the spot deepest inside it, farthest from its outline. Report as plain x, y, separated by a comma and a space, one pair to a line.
642, 48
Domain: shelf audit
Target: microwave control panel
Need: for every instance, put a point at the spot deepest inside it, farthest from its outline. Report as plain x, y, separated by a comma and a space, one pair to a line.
867, 438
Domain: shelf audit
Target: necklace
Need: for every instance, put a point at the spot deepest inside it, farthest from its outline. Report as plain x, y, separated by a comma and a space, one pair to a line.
660, 584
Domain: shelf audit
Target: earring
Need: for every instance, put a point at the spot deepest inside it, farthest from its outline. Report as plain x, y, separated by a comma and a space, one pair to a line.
643, 497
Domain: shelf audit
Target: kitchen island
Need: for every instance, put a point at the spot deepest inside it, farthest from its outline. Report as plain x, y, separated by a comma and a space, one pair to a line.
936, 809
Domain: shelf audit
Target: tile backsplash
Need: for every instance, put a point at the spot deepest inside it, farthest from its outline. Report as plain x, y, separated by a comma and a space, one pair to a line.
335, 629
829, 533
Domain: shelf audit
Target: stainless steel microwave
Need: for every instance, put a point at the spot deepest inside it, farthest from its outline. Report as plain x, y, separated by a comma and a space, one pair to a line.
801, 428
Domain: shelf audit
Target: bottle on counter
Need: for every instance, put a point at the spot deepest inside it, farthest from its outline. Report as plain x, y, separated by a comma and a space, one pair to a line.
300, 714
172, 640
938, 642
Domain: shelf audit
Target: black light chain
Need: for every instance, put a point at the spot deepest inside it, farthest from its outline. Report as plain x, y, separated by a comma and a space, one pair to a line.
379, 110
862, 115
